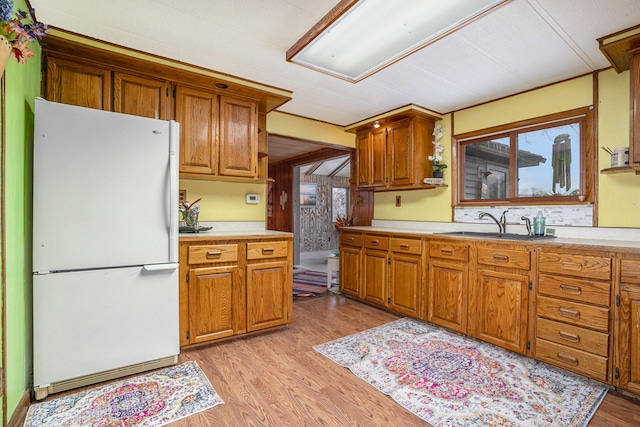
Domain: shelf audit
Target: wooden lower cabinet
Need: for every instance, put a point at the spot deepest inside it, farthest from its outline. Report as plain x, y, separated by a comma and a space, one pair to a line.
405, 284
628, 344
374, 276
215, 301
351, 263
231, 287
448, 284
269, 295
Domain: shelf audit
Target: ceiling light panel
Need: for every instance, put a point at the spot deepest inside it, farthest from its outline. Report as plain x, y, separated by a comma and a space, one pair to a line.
372, 34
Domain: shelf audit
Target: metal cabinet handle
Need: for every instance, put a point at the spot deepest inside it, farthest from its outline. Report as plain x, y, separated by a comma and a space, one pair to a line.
214, 254
569, 312
568, 358
568, 336
570, 289
501, 258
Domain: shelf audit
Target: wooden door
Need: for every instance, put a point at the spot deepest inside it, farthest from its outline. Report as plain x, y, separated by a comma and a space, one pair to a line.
379, 158
400, 155
405, 284
214, 298
197, 113
75, 83
364, 159
238, 155
374, 276
501, 309
269, 295
350, 262
628, 351
140, 96
448, 290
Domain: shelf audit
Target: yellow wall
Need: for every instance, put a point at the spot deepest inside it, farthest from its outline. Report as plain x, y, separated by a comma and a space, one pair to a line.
298, 127
619, 194
420, 205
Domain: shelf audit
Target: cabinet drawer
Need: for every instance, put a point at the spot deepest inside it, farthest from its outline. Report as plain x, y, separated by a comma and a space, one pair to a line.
407, 246
351, 239
212, 253
264, 250
630, 271
509, 258
574, 313
573, 336
376, 242
592, 267
449, 250
575, 289
572, 359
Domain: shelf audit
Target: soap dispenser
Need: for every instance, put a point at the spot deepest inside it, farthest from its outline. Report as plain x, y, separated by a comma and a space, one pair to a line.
538, 224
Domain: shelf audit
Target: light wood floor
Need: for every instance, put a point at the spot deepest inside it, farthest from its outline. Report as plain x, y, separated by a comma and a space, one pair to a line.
277, 379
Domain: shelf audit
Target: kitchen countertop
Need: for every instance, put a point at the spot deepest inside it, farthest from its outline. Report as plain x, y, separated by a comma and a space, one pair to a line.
628, 238
234, 230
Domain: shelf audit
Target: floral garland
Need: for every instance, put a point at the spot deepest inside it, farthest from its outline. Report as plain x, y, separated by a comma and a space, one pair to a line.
19, 30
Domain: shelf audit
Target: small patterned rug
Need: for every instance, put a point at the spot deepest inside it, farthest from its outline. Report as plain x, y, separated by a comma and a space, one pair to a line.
309, 283
450, 380
153, 399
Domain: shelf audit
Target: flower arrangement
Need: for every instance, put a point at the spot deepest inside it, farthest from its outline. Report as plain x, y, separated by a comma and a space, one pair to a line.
19, 30
346, 220
189, 212
438, 149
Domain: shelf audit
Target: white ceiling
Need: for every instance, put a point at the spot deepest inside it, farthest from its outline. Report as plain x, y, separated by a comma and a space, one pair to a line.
522, 45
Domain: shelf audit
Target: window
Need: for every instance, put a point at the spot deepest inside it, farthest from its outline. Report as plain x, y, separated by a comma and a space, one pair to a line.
540, 160
340, 202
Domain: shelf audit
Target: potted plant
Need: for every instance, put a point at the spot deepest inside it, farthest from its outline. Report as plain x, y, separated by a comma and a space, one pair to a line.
17, 30
438, 149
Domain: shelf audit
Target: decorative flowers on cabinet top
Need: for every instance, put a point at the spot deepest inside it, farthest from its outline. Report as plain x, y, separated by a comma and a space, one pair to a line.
438, 149
18, 30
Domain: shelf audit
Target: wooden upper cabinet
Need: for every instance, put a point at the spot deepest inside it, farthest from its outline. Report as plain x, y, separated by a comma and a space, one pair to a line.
75, 83
364, 159
378, 158
140, 96
197, 112
400, 153
238, 145
634, 143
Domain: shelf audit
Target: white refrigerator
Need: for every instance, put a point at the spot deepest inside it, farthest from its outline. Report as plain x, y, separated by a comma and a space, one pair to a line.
105, 245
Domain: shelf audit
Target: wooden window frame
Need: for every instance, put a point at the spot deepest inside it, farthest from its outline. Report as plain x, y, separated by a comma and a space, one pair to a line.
588, 157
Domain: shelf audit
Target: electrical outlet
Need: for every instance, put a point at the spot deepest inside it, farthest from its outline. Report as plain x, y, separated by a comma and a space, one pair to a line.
398, 201
550, 231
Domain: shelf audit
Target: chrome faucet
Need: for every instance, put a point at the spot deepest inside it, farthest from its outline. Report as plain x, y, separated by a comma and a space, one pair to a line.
527, 222
502, 223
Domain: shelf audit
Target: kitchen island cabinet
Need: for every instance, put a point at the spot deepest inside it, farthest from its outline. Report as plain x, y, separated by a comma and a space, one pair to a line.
230, 286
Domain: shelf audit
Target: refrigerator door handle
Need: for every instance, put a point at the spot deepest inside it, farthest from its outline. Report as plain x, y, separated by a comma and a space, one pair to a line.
160, 267
174, 138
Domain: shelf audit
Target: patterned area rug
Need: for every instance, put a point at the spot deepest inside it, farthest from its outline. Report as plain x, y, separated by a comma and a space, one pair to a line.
309, 283
152, 399
451, 380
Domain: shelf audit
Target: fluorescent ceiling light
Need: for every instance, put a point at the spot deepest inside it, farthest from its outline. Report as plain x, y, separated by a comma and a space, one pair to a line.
360, 37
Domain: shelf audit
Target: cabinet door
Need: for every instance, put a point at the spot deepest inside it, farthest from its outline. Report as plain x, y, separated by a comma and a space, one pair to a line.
400, 153
197, 113
501, 309
140, 96
215, 296
628, 351
379, 158
405, 284
269, 295
374, 277
364, 159
350, 262
71, 82
238, 138
448, 289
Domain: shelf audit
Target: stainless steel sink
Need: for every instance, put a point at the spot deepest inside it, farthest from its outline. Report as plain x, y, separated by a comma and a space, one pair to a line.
492, 235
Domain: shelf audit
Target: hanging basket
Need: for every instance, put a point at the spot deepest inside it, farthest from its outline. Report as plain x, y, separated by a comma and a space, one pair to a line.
5, 53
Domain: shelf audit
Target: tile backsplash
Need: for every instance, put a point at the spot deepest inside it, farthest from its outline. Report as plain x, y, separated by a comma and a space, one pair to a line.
556, 215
